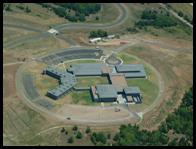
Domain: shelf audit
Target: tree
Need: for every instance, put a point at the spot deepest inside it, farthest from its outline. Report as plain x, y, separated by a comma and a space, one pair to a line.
96, 18
70, 140
75, 128
8, 8
164, 139
163, 127
66, 132
98, 137
81, 10
27, 9
59, 11
132, 30
180, 14
116, 137
93, 138
79, 135
88, 130
109, 136
183, 142
173, 142
98, 33
20, 7
63, 129
81, 17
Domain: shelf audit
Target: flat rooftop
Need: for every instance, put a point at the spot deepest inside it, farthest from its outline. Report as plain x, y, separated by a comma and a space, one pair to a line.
106, 91
129, 68
67, 81
87, 69
118, 81
132, 90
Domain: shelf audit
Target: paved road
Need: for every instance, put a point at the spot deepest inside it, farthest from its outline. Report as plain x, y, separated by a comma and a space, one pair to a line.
132, 114
158, 75
24, 40
176, 15
20, 91
122, 17
123, 10
7, 24
14, 63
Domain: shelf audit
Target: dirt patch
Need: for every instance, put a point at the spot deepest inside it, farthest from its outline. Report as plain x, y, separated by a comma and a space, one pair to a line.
8, 57
9, 72
175, 77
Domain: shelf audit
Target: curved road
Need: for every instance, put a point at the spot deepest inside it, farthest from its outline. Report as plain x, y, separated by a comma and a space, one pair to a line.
123, 10
120, 19
42, 110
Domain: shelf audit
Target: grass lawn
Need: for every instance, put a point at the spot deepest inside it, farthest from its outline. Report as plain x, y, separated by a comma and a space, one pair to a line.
127, 59
185, 8
79, 62
89, 81
107, 14
149, 91
83, 98
45, 83
148, 87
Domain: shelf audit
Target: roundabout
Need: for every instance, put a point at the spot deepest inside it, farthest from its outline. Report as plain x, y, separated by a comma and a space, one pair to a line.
113, 60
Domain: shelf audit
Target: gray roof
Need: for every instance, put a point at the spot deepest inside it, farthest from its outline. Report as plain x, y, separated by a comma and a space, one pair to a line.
67, 78
106, 91
67, 81
54, 70
129, 68
86, 69
135, 75
132, 90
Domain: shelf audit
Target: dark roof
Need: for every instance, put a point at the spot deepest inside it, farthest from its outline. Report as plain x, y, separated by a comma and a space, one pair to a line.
135, 75
129, 67
67, 81
87, 69
106, 91
131, 70
131, 90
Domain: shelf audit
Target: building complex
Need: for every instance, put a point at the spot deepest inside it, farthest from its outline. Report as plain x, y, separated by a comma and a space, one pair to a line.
103, 92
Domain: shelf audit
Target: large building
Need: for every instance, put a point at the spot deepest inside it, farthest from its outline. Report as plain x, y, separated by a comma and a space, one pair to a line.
94, 69
66, 80
131, 70
104, 92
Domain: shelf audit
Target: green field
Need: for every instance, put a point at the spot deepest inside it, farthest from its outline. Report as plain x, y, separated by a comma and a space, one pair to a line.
185, 8
82, 97
148, 89
127, 59
90, 81
67, 64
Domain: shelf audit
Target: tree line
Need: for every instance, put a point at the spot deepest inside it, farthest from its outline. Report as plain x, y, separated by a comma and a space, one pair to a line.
81, 10
155, 18
180, 122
